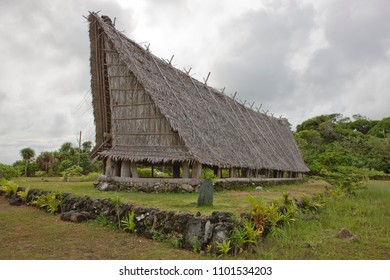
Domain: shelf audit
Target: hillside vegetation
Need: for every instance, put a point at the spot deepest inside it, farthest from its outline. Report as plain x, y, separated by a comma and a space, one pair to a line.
333, 144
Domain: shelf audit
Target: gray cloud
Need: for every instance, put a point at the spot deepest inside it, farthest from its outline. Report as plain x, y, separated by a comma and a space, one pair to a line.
298, 58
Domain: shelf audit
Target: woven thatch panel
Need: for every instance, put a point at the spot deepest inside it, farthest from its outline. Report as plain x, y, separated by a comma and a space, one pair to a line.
215, 129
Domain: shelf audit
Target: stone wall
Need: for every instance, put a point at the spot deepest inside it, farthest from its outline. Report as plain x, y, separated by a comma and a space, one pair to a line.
187, 229
150, 185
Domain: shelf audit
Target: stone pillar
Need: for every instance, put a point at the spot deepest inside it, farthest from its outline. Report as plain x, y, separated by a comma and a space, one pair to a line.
196, 170
233, 172
108, 167
117, 168
133, 169
217, 172
104, 162
125, 168
186, 169
176, 169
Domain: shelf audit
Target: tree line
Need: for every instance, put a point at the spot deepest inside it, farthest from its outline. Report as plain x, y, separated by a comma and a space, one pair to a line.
53, 163
334, 143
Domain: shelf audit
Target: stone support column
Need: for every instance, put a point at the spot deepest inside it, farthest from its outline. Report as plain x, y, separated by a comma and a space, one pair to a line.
133, 169
196, 170
125, 168
186, 169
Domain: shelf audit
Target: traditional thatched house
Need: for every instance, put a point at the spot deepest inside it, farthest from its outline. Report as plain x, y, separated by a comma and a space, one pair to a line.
149, 113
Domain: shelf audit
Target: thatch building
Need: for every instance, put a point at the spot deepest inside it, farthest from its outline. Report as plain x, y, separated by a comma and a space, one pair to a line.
149, 113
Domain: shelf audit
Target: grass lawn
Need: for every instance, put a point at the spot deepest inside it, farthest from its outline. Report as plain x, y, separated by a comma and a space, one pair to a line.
235, 202
367, 215
28, 233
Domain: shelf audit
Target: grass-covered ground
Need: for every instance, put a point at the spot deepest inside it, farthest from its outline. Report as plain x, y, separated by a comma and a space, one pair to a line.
366, 215
27, 233
230, 201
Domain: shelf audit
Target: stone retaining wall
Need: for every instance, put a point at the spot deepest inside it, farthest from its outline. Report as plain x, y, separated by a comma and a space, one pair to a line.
159, 185
187, 229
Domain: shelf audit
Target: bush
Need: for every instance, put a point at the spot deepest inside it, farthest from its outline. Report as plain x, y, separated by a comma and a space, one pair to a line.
9, 172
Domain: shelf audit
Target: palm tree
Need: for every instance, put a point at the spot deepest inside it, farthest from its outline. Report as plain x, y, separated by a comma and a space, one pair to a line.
27, 154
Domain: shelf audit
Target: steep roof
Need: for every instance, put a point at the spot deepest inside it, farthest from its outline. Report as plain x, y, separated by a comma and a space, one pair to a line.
216, 129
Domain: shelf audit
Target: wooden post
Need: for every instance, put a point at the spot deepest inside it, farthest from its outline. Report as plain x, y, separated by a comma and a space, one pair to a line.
196, 170
125, 168
133, 169
186, 169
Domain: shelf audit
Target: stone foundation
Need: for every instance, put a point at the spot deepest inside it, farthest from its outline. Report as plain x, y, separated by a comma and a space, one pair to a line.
159, 185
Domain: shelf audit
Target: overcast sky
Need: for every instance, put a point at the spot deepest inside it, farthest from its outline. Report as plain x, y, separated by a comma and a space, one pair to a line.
299, 59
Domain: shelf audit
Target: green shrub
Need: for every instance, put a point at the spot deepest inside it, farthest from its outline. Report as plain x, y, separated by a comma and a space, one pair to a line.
128, 223
223, 247
51, 201
9, 187
9, 172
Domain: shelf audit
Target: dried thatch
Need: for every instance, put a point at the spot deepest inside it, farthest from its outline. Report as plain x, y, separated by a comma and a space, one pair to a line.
147, 110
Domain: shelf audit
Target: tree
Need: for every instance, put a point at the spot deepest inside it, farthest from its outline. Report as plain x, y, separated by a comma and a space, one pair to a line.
27, 154
45, 160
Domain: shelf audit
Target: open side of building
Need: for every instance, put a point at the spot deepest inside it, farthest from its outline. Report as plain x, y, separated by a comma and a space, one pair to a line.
149, 113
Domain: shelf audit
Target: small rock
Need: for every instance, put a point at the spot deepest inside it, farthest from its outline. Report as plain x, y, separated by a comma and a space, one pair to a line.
16, 201
186, 188
344, 234
259, 188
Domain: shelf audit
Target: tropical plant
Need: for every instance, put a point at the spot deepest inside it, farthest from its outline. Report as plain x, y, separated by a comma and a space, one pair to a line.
27, 154
9, 187
128, 222
252, 231
50, 201
195, 244
118, 205
238, 239
223, 247
258, 212
23, 194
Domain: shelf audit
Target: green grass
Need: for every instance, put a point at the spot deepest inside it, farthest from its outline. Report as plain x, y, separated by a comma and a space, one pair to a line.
229, 201
367, 215
28, 233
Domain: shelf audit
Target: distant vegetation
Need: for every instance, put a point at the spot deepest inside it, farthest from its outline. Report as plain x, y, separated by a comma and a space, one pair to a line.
332, 145
67, 160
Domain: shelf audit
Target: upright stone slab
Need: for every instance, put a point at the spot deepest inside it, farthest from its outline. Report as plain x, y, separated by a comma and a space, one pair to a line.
206, 192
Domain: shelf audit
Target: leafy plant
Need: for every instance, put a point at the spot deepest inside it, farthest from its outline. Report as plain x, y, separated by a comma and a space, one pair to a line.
128, 223
252, 232
9, 187
274, 216
118, 205
208, 174
23, 194
195, 244
310, 203
258, 212
224, 247
51, 201
238, 239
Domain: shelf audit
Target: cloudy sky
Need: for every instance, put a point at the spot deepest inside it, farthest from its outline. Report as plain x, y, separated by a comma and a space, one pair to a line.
298, 58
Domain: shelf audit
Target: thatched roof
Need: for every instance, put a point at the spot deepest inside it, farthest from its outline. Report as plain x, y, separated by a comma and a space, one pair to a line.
215, 129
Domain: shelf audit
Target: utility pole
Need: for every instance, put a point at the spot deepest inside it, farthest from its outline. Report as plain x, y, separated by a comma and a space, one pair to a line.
79, 141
